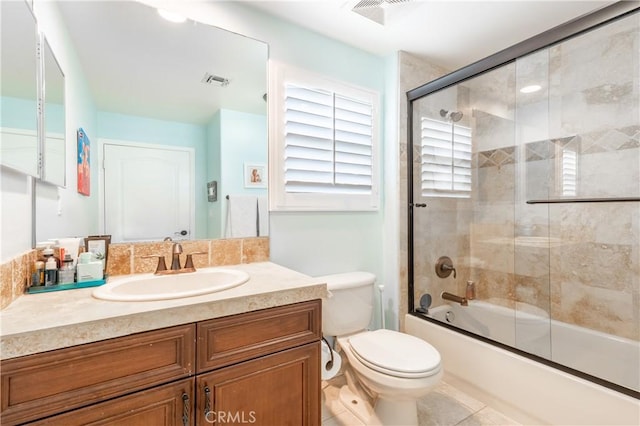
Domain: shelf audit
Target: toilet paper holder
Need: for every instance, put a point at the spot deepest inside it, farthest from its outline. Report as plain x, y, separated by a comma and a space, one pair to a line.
329, 364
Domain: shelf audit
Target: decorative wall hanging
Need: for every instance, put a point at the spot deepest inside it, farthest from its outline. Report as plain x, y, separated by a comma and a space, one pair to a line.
84, 167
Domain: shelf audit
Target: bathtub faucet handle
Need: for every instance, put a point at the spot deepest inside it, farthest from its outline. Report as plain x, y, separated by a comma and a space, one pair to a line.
449, 268
444, 267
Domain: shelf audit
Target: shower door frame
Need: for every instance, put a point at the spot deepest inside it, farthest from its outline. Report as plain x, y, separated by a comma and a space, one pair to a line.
544, 40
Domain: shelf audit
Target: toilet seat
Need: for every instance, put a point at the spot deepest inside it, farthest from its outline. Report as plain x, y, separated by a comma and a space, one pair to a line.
395, 354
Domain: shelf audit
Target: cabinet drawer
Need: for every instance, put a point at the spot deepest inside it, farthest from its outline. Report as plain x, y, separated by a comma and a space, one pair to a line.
44, 384
228, 340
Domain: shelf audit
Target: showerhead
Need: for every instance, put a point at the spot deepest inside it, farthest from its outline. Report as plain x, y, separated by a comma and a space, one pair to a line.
454, 116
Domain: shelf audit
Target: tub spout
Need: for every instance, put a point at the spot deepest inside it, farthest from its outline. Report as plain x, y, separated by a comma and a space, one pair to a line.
452, 297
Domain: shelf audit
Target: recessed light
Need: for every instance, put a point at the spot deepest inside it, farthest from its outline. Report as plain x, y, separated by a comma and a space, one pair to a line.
171, 17
531, 88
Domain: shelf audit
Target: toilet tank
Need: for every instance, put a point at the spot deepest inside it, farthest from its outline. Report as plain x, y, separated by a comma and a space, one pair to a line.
349, 306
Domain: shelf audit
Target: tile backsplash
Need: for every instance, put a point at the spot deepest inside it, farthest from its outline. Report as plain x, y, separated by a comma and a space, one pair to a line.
138, 258
15, 276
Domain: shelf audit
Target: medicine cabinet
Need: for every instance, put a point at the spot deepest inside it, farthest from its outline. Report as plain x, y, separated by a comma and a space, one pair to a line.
19, 118
32, 118
53, 117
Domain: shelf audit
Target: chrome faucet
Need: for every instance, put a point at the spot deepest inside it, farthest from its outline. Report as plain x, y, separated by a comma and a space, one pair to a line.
452, 297
175, 257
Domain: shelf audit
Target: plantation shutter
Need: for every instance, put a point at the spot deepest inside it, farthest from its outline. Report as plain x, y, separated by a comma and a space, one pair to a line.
569, 172
446, 159
328, 142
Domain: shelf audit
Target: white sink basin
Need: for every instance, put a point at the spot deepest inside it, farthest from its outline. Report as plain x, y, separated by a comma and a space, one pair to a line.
145, 287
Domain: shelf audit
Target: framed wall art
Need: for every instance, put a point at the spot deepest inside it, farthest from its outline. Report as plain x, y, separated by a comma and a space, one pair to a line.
255, 175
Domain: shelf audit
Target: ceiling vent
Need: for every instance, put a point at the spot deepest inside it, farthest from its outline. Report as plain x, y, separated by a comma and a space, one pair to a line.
215, 79
377, 10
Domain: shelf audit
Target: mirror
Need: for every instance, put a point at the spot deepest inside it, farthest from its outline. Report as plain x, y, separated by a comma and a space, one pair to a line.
169, 86
53, 119
18, 88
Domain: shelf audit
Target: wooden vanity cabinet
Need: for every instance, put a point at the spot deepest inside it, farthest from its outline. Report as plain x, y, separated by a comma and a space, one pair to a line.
270, 357
260, 367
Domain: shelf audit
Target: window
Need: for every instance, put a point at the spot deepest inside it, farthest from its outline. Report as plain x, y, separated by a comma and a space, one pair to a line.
326, 141
446, 159
568, 172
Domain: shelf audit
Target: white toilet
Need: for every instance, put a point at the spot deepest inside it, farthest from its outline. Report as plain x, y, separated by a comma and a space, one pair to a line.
394, 369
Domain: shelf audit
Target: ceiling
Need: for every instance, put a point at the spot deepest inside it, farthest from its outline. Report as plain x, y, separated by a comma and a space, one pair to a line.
136, 63
450, 33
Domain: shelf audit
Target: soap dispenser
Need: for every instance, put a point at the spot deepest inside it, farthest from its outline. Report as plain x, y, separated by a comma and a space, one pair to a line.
50, 272
48, 253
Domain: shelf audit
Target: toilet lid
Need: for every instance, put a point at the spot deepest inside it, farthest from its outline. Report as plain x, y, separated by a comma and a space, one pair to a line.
395, 354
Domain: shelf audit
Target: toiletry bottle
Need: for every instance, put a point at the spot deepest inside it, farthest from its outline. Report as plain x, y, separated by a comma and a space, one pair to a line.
67, 271
50, 272
47, 253
38, 274
470, 293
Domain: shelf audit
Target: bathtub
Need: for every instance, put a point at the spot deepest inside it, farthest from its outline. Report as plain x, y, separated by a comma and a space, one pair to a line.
602, 355
529, 391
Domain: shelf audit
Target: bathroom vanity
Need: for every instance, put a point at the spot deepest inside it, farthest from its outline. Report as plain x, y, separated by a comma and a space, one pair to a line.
246, 355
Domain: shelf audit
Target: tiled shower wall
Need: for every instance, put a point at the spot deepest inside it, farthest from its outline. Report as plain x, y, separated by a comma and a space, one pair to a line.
127, 259
578, 262
413, 72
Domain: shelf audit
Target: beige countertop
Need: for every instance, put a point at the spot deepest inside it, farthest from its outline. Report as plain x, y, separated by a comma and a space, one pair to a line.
42, 322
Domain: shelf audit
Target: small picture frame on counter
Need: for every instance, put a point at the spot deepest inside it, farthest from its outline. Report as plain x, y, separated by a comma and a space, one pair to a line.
99, 246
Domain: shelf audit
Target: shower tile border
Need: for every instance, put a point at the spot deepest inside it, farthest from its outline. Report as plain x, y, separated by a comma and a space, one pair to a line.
609, 140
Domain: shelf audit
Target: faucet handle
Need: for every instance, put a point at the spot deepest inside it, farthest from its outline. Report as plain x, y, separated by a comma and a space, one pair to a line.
162, 266
444, 267
188, 264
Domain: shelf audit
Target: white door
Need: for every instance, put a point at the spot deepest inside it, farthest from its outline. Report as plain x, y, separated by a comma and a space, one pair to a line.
148, 192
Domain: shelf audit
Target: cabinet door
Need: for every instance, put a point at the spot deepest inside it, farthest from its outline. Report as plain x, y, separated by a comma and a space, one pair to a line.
279, 389
167, 405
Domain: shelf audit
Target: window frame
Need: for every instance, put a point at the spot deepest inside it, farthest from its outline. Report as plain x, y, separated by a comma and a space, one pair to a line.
280, 200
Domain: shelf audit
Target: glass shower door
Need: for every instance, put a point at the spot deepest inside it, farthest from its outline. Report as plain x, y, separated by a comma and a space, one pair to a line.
464, 166
526, 181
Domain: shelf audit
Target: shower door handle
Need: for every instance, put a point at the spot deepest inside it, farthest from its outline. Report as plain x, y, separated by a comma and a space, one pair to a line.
418, 204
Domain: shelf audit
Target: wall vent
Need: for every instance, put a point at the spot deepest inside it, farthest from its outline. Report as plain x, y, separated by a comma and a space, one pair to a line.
376, 10
215, 79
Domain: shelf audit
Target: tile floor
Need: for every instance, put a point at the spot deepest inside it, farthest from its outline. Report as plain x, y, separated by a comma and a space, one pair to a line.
443, 406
